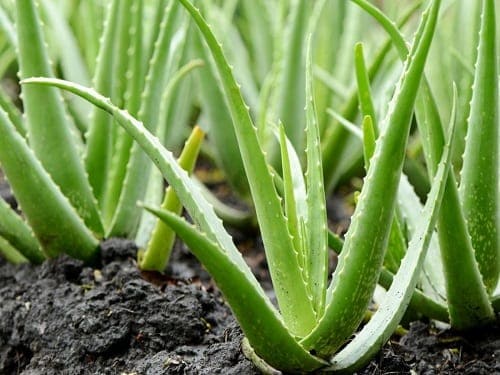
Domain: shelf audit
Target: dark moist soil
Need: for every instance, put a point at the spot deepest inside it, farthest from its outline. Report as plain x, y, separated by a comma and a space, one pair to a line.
66, 318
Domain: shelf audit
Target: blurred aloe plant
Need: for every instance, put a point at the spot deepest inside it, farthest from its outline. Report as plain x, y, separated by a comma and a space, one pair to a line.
78, 179
316, 317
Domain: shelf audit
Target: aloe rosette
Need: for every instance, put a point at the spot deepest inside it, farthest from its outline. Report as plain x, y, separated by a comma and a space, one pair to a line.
314, 318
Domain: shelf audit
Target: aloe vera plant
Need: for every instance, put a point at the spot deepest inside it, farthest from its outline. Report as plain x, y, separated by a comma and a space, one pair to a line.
315, 317
87, 175
469, 218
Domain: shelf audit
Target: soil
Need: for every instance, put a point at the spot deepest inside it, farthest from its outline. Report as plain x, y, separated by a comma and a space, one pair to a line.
64, 317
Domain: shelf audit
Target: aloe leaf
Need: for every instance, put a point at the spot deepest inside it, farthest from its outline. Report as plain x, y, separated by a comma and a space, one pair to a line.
47, 121
292, 294
133, 95
13, 113
14, 230
361, 259
10, 253
55, 223
479, 176
420, 302
292, 78
7, 27
326, 48
162, 239
99, 140
247, 303
369, 138
162, 65
317, 257
72, 62
364, 90
291, 194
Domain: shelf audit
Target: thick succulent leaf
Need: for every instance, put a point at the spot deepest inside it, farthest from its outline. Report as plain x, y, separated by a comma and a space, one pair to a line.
99, 135
316, 224
55, 223
361, 259
292, 79
10, 253
480, 172
291, 196
290, 291
385, 320
72, 62
364, 90
48, 124
14, 230
123, 143
369, 138
163, 64
15, 116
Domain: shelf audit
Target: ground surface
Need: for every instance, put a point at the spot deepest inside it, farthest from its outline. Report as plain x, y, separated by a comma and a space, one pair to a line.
67, 318
64, 318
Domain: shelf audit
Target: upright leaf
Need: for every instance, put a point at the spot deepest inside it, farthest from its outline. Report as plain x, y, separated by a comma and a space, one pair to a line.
47, 121
479, 175
317, 256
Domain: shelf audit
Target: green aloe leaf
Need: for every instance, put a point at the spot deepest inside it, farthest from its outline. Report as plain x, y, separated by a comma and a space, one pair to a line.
294, 194
316, 224
123, 143
14, 230
10, 253
163, 64
48, 124
479, 175
72, 62
99, 139
54, 221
